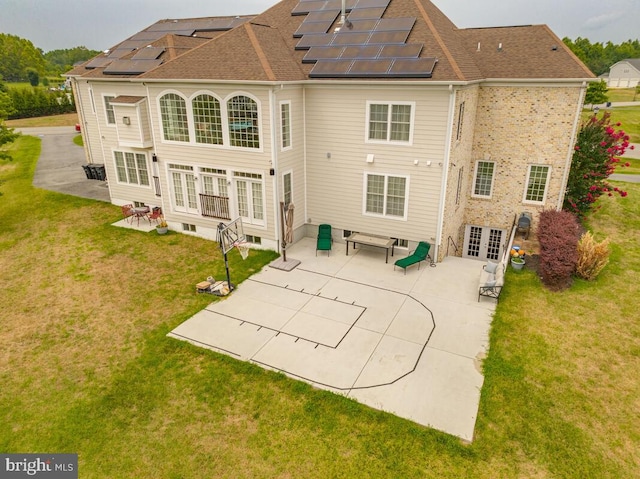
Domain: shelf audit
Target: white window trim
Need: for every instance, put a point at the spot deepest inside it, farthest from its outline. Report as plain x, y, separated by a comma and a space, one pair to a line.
186, 210
383, 215
146, 159
106, 114
546, 185
226, 141
390, 104
285, 173
475, 177
236, 211
282, 147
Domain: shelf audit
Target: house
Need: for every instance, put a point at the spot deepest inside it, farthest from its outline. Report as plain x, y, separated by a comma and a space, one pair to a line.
624, 74
386, 119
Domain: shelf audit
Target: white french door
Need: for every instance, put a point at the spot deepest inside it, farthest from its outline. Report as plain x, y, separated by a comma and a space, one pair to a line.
484, 243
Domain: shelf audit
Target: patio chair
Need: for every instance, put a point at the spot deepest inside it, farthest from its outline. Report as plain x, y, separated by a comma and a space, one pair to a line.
421, 253
156, 214
524, 225
127, 212
325, 239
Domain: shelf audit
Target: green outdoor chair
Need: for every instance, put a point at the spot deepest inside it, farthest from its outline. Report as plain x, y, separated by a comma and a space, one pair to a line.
325, 240
421, 253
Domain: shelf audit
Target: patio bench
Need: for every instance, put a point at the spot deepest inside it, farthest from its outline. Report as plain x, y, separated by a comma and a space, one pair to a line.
491, 280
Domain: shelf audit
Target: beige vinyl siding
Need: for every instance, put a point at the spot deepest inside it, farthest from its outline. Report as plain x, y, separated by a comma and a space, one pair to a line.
292, 159
336, 126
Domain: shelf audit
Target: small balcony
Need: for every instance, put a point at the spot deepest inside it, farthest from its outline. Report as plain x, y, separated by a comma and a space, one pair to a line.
215, 206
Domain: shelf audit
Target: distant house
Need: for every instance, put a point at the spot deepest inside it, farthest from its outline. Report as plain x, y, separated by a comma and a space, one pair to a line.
624, 74
392, 122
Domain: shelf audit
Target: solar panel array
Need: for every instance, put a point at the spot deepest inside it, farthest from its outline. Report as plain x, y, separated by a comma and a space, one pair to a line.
122, 60
366, 46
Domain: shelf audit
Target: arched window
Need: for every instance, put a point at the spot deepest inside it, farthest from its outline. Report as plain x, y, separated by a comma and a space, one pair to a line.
207, 119
173, 111
242, 114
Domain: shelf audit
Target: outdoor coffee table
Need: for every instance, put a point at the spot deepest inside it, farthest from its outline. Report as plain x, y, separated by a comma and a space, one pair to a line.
372, 240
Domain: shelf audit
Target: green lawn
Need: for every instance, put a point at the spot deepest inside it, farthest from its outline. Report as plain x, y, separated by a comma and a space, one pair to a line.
86, 367
622, 94
627, 116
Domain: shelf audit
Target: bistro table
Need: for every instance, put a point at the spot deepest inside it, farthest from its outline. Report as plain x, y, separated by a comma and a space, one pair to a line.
372, 240
140, 212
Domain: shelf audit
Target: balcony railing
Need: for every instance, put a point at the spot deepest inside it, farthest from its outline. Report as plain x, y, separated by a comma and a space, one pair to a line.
215, 206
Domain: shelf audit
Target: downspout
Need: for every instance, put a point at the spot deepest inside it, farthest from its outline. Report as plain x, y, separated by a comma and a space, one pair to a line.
155, 166
83, 120
567, 166
445, 174
274, 166
304, 151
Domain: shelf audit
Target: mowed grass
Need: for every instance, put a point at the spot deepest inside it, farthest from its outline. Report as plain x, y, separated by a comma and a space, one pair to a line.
86, 367
67, 119
627, 116
622, 94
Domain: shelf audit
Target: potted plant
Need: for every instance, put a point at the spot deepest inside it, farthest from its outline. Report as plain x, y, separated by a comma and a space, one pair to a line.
162, 227
517, 258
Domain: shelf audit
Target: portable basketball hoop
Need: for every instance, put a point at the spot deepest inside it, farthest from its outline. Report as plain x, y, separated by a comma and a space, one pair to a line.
232, 236
244, 248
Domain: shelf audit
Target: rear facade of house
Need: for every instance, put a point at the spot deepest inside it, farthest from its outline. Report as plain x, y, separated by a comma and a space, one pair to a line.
388, 120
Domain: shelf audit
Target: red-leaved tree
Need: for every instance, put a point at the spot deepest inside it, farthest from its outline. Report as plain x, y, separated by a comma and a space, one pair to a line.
596, 155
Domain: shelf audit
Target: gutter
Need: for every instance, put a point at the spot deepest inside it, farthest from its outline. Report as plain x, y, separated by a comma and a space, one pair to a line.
574, 133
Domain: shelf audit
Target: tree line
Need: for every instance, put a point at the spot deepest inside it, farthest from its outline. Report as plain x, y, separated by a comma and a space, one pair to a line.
19, 57
600, 57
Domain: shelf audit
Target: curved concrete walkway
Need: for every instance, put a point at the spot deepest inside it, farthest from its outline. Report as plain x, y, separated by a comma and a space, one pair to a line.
59, 167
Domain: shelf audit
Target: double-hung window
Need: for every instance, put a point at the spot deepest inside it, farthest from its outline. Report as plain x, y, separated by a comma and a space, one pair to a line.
390, 122
131, 168
108, 108
173, 111
386, 195
483, 179
537, 183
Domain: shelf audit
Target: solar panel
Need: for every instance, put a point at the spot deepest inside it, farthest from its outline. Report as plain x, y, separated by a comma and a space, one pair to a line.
323, 16
413, 67
148, 53
119, 52
366, 13
367, 46
312, 27
393, 24
131, 67
350, 38
410, 50
389, 37
309, 41
370, 67
372, 3
98, 62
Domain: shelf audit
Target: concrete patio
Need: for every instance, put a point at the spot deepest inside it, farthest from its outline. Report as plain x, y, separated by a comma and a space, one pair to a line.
409, 344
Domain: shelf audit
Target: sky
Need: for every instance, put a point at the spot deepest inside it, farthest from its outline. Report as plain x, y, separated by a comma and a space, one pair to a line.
100, 24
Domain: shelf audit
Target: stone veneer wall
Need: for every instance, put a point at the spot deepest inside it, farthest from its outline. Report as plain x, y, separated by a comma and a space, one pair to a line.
517, 126
459, 159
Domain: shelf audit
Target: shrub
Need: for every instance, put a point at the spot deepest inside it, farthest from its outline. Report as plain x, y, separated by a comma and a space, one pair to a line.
596, 154
592, 257
558, 233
